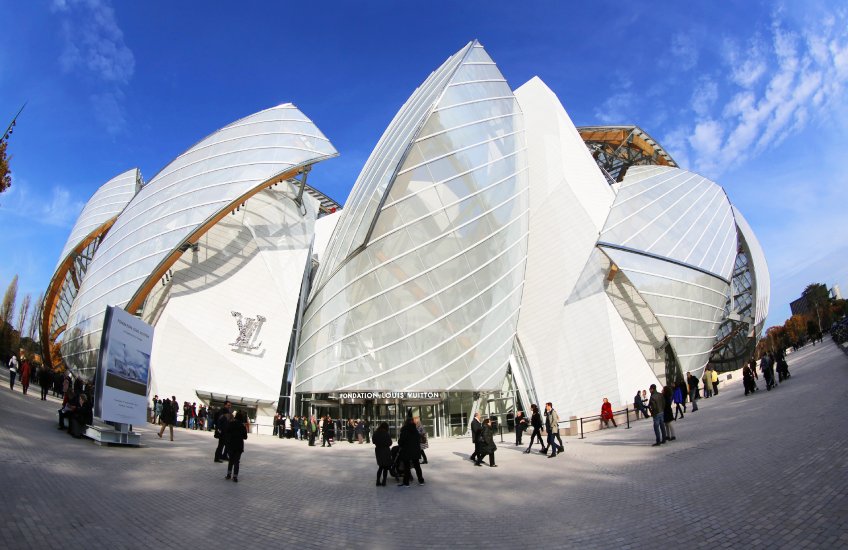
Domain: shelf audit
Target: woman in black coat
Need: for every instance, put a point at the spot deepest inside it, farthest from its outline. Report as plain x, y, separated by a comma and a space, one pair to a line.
383, 452
410, 449
235, 435
488, 446
536, 424
668, 416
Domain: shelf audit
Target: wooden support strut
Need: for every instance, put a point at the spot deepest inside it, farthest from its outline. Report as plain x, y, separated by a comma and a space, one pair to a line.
137, 301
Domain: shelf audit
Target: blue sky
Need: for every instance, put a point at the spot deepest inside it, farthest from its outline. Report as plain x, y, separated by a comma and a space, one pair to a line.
751, 94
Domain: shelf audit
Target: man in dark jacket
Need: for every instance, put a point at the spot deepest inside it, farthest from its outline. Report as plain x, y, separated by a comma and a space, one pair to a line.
693, 390
410, 450
476, 428
657, 405
221, 421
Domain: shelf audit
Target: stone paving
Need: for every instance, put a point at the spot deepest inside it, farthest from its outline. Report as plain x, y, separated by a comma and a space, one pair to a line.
768, 470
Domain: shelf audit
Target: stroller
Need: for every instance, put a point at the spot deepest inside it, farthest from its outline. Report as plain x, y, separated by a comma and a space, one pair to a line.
397, 468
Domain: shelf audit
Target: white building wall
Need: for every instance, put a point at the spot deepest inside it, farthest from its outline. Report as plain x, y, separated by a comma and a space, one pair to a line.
252, 263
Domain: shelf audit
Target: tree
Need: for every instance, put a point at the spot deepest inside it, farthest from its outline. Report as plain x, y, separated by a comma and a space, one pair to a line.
34, 318
7, 309
5, 172
795, 327
23, 313
819, 302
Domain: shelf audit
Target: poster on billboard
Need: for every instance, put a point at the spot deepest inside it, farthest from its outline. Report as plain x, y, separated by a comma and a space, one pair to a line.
123, 370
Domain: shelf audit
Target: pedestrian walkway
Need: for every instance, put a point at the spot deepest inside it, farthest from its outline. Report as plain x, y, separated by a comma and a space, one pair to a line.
768, 470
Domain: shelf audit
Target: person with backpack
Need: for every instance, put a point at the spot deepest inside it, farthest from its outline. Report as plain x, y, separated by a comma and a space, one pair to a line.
235, 434
221, 421
383, 453
168, 418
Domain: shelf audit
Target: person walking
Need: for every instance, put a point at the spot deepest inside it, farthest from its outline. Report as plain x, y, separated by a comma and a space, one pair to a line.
328, 432
26, 370
693, 390
707, 379
235, 435
410, 449
476, 428
487, 445
45, 379
422, 436
222, 419
606, 414
312, 430
383, 452
668, 418
13, 371
520, 426
714, 376
536, 424
168, 418
552, 427
677, 395
657, 407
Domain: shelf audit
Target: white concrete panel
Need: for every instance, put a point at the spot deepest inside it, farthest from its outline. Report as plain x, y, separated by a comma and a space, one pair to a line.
558, 156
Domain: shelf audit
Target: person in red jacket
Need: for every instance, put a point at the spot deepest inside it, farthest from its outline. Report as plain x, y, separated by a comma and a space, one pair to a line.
606, 414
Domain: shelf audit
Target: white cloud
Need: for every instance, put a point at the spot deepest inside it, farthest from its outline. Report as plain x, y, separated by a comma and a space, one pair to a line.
94, 45
684, 50
704, 96
774, 88
93, 40
60, 209
109, 111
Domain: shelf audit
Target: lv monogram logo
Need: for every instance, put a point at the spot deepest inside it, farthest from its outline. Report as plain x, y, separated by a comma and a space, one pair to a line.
248, 328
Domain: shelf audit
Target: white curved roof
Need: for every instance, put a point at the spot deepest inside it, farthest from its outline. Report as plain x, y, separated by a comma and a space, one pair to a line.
395, 145
762, 279
674, 214
431, 302
106, 203
191, 190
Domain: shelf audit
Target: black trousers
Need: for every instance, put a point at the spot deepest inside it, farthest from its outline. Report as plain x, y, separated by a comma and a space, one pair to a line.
220, 451
311, 439
491, 458
407, 474
476, 454
233, 464
519, 432
44, 389
536, 434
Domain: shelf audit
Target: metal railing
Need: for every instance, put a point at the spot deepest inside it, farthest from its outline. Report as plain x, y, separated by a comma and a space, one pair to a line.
583, 419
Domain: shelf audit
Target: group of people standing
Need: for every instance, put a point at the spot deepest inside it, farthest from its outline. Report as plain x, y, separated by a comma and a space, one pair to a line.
406, 456
26, 371
769, 364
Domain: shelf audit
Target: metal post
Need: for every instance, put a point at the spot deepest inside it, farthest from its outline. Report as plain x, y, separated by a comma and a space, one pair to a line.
627, 412
581, 427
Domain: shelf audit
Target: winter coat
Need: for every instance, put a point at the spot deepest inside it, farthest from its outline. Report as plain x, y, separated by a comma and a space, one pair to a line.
668, 415
235, 434
422, 434
678, 395
606, 411
487, 442
536, 421
382, 448
410, 442
656, 403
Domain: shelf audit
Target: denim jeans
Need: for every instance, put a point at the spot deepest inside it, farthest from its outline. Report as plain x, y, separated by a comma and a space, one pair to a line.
552, 444
659, 428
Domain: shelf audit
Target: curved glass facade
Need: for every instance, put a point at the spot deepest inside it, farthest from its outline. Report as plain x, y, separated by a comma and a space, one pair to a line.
431, 301
188, 193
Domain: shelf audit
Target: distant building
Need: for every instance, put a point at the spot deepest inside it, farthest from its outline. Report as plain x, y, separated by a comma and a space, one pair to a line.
800, 306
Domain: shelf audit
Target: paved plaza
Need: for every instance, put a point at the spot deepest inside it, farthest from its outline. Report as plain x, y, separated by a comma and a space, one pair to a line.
768, 470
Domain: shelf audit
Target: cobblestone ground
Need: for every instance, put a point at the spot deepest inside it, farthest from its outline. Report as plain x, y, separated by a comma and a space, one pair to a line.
768, 470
